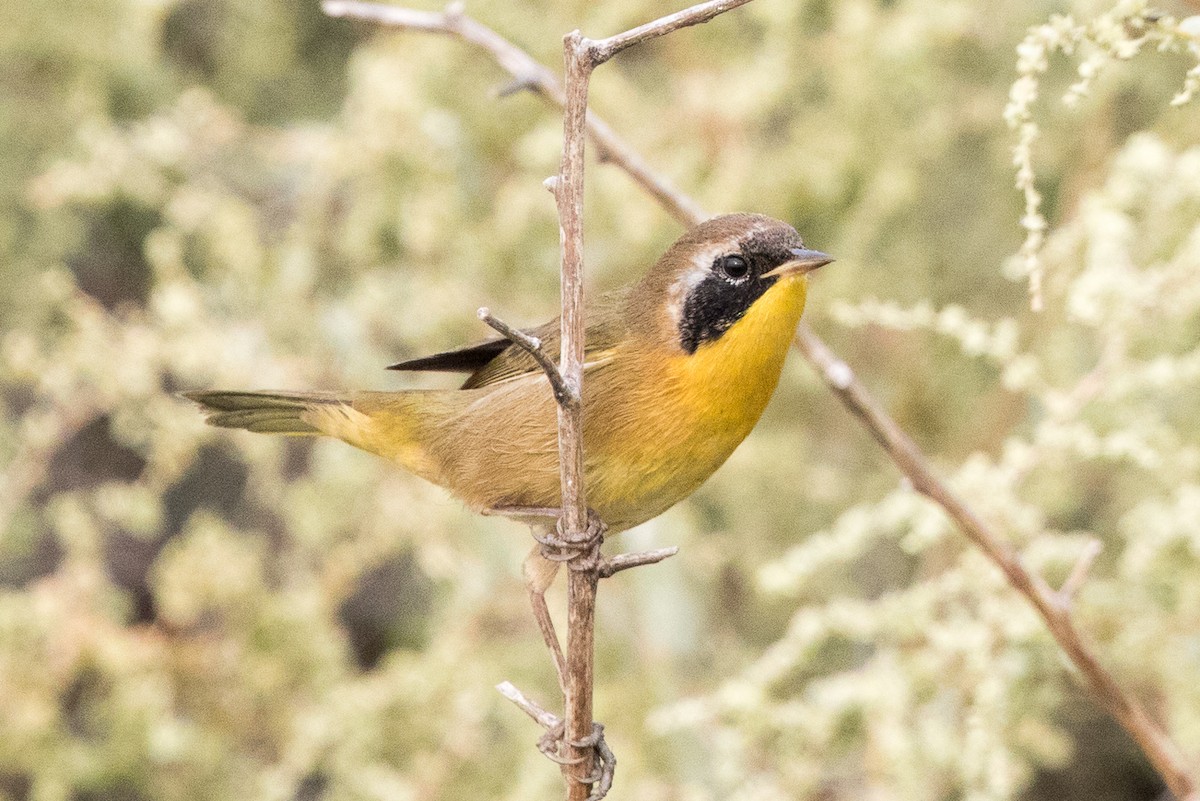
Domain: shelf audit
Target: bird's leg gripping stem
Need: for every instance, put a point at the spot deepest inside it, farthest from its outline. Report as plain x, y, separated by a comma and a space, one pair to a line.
601, 779
582, 554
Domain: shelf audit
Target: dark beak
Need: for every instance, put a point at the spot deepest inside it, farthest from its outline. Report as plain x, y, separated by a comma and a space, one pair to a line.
803, 261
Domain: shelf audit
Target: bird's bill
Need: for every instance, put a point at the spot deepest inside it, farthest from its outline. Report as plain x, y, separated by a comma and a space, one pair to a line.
803, 261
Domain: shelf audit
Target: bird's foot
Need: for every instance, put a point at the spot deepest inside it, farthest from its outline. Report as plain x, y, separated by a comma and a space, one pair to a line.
551, 744
583, 554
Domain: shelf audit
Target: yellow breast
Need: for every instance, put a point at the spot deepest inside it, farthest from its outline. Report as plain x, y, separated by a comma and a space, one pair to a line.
682, 415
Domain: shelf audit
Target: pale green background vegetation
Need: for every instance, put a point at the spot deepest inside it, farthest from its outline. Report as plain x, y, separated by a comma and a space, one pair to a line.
245, 194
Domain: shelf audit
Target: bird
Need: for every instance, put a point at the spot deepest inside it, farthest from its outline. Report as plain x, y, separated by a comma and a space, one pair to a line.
678, 368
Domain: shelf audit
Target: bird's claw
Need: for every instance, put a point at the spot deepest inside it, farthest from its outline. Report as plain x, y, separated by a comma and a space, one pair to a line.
551, 742
591, 740
579, 555
522, 511
601, 778
606, 765
587, 551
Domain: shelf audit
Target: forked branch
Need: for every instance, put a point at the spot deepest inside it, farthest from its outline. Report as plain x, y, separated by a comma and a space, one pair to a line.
533, 346
526, 73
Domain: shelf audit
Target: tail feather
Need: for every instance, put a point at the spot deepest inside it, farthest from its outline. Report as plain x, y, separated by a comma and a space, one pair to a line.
263, 412
388, 424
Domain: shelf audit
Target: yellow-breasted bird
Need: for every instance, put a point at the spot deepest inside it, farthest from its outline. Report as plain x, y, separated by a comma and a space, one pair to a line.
678, 369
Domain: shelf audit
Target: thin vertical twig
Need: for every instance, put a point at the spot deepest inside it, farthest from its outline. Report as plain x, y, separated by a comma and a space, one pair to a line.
581, 56
581, 583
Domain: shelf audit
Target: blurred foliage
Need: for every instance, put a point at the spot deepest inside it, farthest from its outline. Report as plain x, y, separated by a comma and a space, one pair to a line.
202, 193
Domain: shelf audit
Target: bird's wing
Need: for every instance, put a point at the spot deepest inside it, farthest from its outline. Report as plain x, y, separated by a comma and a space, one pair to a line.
498, 359
461, 360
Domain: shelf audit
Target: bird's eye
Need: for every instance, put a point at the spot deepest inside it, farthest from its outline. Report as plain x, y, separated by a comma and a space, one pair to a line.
734, 267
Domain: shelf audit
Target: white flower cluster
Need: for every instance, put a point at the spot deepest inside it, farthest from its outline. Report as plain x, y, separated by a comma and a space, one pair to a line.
947, 668
1117, 35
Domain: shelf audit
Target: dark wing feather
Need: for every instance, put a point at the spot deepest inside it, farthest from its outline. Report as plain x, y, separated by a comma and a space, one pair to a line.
463, 360
498, 359
605, 320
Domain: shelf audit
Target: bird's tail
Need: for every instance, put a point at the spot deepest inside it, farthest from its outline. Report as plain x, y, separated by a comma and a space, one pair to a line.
400, 426
265, 412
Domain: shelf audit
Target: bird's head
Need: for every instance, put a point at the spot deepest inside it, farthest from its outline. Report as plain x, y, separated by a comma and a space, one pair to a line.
715, 273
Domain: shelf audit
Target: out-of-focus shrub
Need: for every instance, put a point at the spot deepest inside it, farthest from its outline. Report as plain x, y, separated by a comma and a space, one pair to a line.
208, 193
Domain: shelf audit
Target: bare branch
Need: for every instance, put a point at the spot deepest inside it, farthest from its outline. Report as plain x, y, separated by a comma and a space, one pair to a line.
624, 561
579, 60
528, 73
543, 717
601, 50
616, 150
1154, 741
568, 194
533, 346
454, 22
581, 584
1078, 575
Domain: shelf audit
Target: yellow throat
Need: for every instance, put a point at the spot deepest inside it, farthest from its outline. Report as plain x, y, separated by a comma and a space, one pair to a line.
729, 382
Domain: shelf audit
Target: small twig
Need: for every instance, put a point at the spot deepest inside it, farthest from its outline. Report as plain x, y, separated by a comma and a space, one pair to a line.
624, 561
543, 717
601, 50
533, 346
1079, 573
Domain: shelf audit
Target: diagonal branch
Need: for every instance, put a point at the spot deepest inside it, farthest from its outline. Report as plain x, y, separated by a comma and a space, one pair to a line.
1153, 739
527, 73
601, 50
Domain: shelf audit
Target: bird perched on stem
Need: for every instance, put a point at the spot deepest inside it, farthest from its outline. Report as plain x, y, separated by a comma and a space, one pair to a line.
678, 369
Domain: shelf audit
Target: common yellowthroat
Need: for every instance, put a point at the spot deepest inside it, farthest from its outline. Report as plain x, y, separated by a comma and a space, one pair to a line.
678, 369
